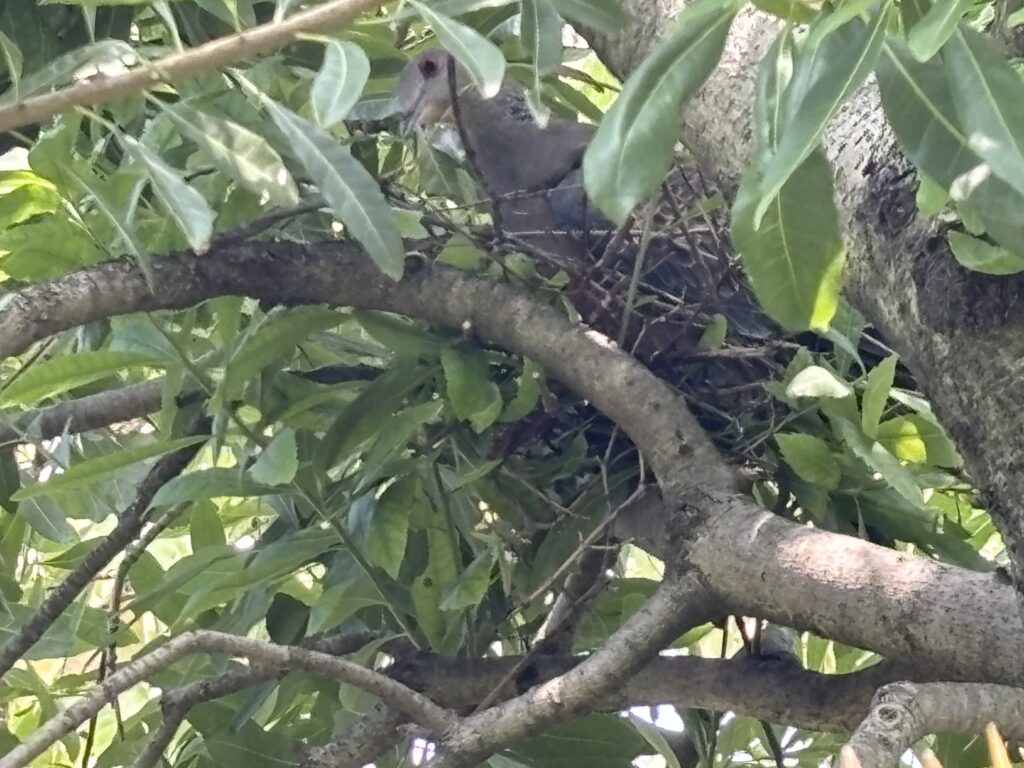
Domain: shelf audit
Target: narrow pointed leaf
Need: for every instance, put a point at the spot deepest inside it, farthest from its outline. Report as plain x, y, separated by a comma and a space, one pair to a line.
61, 69
63, 373
87, 472
984, 257
876, 394
339, 83
989, 97
350, 190
479, 56
275, 339
823, 78
794, 260
632, 149
189, 209
237, 152
605, 16
929, 34
541, 33
919, 106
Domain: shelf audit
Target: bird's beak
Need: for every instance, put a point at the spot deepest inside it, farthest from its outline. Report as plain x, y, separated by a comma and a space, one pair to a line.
412, 118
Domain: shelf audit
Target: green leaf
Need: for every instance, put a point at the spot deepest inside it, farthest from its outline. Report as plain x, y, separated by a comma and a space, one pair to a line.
189, 209
348, 187
989, 98
878, 459
61, 69
876, 394
474, 397
59, 374
472, 585
211, 483
919, 106
984, 257
276, 338
541, 33
365, 415
811, 459
237, 152
815, 381
48, 520
656, 739
931, 32
394, 437
527, 395
87, 472
632, 149
917, 438
931, 197
279, 461
340, 601
205, 528
594, 741
795, 257
111, 211
604, 16
824, 77
45, 248
481, 58
339, 83
13, 60
389, 526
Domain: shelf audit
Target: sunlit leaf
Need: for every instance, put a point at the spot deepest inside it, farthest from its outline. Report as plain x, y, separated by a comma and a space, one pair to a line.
237, 152
795, 258
339, 83
278, 462
60, 374
929, 34
824, 77
810, 458
989, 97
876, 394
984, 257
479, 56
350, 190
190, 210
87, 472
632, 149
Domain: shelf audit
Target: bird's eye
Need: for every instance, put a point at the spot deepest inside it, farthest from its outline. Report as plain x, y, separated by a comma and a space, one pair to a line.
428, 67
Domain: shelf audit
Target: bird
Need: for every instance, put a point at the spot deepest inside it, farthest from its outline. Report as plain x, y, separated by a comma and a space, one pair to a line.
533, 175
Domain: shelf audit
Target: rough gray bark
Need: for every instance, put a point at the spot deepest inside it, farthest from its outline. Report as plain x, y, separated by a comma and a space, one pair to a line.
958, 331
927, 614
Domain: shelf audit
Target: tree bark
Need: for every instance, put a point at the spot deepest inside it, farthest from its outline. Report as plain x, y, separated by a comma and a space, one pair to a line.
958, 331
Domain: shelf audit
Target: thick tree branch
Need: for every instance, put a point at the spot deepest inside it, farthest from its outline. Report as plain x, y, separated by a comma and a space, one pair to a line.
903, 713
679, 603
958, 331
901, 605
213, 55
415, 705
90, 412
128, 527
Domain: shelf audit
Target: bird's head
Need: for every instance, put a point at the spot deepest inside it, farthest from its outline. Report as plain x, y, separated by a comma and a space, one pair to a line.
423, 95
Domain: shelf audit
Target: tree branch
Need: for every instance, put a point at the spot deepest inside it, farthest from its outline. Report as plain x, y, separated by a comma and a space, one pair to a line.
215, 54
124, 533
415, 705
679, 603
965, 623
902, 713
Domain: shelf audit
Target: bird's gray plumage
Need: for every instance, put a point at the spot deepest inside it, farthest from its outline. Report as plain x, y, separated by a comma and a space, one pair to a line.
534, 173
